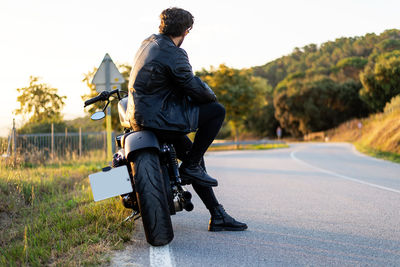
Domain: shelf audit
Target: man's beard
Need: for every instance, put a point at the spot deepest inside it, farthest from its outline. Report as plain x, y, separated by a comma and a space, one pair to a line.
180, 42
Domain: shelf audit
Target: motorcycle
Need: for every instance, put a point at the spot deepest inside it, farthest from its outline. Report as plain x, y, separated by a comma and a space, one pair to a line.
144, 173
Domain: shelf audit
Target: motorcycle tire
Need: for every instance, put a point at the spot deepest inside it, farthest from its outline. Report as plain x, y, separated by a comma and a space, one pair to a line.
152, 198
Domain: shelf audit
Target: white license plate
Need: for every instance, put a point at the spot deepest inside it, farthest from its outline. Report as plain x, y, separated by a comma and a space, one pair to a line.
106, 184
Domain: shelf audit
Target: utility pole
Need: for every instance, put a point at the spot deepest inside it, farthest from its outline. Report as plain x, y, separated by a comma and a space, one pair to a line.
108, 114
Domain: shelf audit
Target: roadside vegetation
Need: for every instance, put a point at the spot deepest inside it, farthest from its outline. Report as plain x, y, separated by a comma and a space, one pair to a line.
48, 216
378, 135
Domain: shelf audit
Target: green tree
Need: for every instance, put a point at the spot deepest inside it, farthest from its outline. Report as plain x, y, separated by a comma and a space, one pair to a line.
125, 70
40, 101
341, 59
262, 120
346, 62
239, 91
381, 81
308, 106
349, 68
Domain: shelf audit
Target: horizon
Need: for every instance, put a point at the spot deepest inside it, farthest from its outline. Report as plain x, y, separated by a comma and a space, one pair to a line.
62, 51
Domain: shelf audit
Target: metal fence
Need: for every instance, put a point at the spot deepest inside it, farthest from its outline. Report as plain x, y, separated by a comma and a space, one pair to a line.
55, 146
64, 146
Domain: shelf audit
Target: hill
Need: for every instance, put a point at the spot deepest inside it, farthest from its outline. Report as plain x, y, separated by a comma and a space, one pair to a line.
341, 59
316, 88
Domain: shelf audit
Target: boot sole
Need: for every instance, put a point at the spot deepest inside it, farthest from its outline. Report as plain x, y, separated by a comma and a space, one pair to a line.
222, 228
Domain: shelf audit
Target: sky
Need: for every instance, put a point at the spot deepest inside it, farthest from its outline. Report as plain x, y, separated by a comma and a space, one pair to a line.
60, 40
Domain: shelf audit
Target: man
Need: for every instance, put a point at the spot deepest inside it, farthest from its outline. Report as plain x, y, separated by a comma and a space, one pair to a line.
165, 97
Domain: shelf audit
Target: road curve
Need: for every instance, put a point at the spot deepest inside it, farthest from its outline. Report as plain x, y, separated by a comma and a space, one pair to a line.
310, 204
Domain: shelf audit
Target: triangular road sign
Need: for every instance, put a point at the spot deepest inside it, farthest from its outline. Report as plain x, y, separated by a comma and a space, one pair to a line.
100, 78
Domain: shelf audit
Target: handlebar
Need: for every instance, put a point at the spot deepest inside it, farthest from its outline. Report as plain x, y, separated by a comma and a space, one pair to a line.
94, 100
103, 96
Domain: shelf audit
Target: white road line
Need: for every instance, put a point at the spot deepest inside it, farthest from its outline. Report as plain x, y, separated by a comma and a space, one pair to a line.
161, 257
343, 176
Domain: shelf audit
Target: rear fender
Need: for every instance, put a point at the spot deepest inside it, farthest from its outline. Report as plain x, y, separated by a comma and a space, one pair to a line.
138, 140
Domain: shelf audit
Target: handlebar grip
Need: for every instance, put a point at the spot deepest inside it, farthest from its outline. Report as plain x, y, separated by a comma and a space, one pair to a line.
93, 100
102, 96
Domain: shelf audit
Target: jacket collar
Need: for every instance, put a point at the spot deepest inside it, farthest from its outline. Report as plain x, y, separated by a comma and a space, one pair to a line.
166, 38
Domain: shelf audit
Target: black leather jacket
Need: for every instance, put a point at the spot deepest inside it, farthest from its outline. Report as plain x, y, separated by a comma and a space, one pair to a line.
163, 92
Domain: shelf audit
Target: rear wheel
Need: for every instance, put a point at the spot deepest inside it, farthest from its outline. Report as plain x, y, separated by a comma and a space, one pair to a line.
152, 198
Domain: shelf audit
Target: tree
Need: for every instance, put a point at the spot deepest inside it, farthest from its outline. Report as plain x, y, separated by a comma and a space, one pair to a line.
349, 68
307, 106
41, 101
238, 90
262, 120
125, 70
381, 81
345, 63
341, 59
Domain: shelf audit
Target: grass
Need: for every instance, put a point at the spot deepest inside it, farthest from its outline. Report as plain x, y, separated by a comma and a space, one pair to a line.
248, 147
48, 217
379, 136
394, 157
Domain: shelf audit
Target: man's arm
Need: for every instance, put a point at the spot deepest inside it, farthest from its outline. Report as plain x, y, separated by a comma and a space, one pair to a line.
190, 85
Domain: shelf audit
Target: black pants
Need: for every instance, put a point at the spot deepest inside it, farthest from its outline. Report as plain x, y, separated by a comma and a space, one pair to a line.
211, 117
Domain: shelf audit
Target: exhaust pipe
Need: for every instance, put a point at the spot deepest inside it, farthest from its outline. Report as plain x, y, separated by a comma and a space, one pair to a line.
183, 201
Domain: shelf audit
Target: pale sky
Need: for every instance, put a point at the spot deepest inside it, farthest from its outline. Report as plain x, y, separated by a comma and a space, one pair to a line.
60, 40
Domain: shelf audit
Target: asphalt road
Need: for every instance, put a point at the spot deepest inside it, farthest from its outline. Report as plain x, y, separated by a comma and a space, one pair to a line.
310, 204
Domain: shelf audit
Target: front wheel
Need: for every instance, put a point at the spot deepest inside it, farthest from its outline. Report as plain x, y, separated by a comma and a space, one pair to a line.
152, 199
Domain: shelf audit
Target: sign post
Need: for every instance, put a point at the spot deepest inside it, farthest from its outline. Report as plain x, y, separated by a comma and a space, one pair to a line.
108, 78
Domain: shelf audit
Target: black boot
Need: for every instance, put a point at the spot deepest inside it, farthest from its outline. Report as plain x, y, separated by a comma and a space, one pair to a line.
195, 173
221, 221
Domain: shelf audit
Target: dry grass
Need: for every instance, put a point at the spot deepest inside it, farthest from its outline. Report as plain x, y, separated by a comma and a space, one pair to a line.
48, 217
379, 135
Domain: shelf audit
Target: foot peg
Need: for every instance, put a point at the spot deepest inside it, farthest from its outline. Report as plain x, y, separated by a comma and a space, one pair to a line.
135, 215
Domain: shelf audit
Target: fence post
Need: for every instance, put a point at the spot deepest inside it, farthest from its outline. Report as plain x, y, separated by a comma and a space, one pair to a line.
14, 143
9, 144
65, 141
80, 141
52, 141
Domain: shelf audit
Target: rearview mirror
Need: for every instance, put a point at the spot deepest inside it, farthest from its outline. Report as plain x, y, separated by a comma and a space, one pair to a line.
98, 115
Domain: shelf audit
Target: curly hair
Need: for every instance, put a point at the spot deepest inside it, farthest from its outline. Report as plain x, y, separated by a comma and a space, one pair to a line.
175, 21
